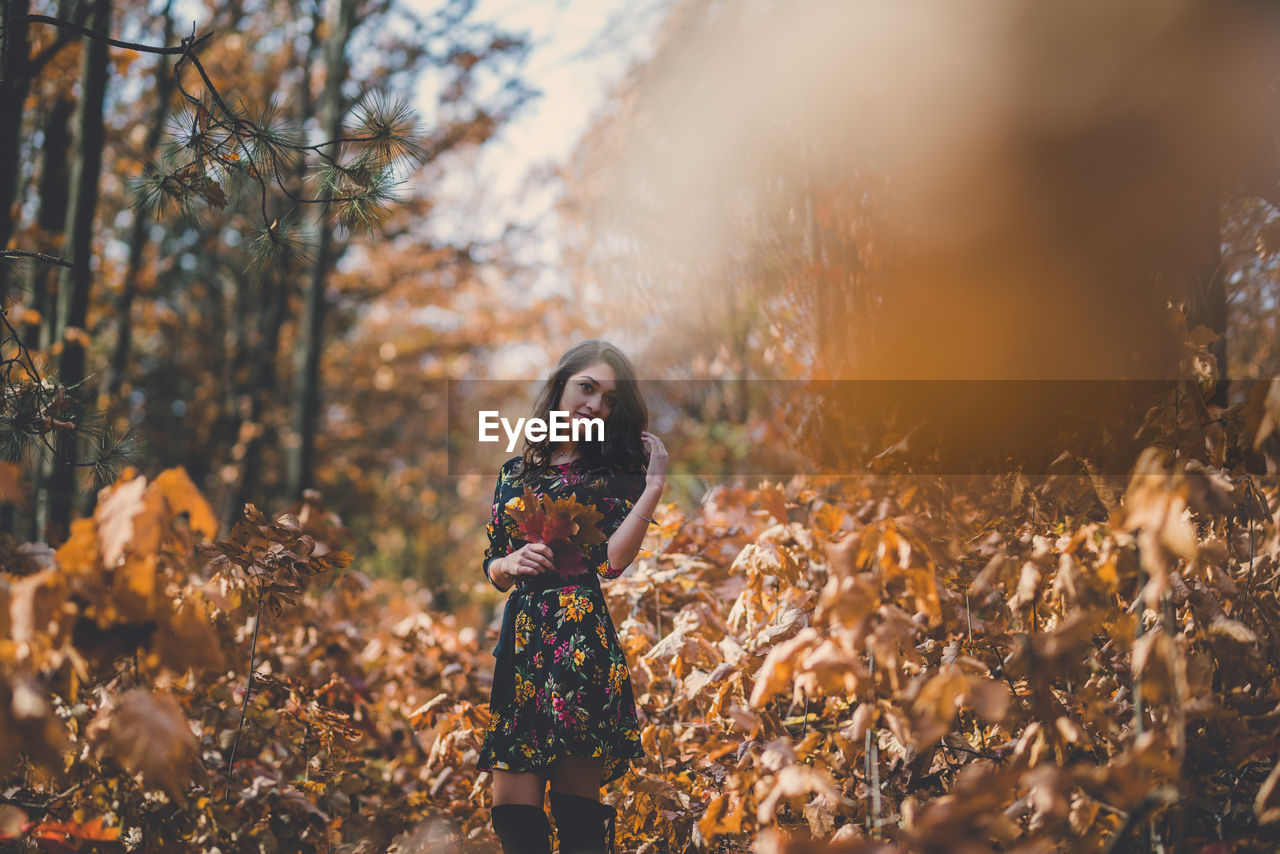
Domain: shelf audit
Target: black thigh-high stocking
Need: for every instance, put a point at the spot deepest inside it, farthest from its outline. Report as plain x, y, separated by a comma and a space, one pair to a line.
584, 825
522, 828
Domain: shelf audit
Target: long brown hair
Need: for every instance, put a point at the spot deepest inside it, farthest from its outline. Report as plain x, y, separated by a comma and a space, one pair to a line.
621, 449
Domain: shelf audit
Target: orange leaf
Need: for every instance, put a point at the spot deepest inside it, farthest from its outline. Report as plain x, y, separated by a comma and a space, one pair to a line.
80, 554
829, 518
724, 815
545, 520
134, 588
92, 830
184, 497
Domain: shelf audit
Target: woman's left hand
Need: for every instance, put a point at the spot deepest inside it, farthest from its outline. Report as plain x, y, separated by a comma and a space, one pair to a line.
656, 473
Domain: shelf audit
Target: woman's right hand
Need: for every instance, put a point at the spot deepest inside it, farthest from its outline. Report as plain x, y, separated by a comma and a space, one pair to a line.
529, 559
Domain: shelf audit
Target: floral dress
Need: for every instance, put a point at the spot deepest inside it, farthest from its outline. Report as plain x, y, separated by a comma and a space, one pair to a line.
561, 686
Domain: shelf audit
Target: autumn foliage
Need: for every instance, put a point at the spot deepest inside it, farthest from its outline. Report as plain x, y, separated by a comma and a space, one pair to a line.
887, 662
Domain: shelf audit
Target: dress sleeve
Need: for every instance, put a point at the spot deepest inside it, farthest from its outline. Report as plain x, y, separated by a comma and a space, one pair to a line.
499, 543
621, 492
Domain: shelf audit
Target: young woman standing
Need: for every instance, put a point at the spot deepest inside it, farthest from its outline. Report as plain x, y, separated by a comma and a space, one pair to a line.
562, 706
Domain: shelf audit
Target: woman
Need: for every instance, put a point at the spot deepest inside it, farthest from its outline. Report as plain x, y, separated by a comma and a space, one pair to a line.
562, 705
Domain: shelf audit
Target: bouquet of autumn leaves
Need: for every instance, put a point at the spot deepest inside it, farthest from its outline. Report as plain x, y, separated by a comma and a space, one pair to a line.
561, 523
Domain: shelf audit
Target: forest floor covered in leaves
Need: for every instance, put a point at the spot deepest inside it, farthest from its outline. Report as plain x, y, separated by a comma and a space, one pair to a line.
889, 662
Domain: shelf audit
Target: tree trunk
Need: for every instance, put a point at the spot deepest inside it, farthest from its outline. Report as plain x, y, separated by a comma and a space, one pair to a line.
73, 284
15, 80
306, 401
138, 235
52, 215
229, 415
54, 191
269, 302
258, 389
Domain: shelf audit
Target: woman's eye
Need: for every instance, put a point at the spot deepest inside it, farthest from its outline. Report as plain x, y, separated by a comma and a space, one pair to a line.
585, 386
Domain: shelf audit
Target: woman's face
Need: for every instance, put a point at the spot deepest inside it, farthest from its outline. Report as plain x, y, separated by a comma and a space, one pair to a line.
590, 393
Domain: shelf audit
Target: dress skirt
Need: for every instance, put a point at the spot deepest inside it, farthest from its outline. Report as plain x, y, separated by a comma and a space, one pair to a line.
561, 686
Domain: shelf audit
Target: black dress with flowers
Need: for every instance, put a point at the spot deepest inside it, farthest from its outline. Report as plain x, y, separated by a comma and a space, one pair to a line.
561, 686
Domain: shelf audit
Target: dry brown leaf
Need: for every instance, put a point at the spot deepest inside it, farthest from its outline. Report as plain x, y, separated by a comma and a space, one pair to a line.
776, 672
1028, 582
189, 639
936, 705
861, 721
419, 715
777, 754
35, 607
990, 698
744, 720
117, 506
848, 600
830, 670
1233, 629
147, 734
793, 782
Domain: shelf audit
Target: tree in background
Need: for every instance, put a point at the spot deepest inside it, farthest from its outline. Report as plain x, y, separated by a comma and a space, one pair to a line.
210, 333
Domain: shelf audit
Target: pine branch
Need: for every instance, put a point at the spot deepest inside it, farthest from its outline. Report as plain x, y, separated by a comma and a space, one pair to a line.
187, 45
